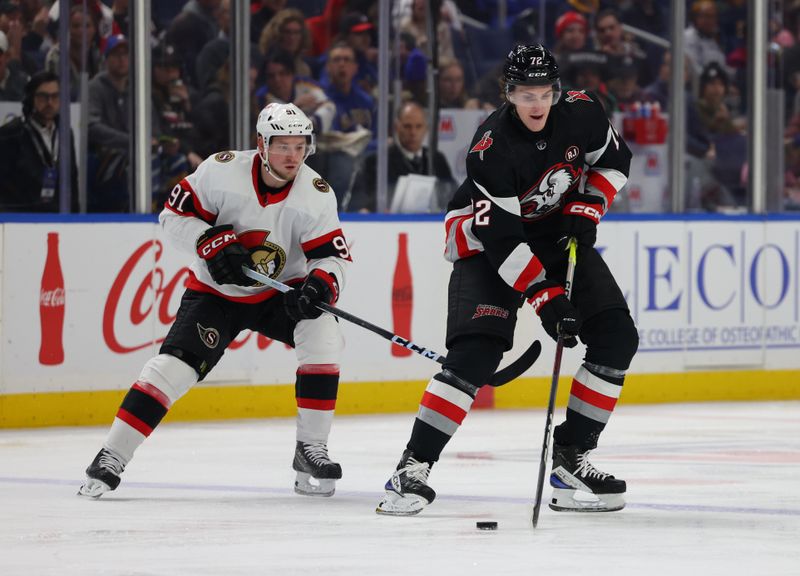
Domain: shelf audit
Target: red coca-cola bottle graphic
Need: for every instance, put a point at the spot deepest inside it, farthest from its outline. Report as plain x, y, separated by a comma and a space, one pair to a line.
402, 296
51, 306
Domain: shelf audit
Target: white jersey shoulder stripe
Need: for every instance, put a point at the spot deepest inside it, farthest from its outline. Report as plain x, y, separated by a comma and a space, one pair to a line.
594, 155
509, 204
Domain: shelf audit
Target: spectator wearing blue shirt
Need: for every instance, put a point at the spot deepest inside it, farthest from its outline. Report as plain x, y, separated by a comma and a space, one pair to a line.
352, 129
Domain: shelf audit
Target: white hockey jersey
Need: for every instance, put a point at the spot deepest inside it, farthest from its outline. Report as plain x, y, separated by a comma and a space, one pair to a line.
288, 234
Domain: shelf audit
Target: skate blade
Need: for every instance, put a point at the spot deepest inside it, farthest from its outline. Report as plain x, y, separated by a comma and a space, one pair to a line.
93, 488
306, 485
580, 501
394, 504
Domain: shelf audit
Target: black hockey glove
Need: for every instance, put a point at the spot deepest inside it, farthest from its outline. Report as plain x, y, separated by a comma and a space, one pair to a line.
319, 286
559, 317
579, 218
224, 255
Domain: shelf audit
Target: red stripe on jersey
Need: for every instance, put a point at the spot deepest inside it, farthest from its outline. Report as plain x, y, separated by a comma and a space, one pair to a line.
529, 274
195, 203
194, 284
153, 392
461, 238
325, 239
599, 181
269, 198
134, 422
589, 396
443, 407
314, 404
319, 369
454, 220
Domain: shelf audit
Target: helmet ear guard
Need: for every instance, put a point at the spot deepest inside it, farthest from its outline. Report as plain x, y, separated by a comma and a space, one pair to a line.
284, 120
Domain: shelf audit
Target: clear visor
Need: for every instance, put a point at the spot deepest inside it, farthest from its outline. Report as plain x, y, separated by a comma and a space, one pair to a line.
284, 149
530, 96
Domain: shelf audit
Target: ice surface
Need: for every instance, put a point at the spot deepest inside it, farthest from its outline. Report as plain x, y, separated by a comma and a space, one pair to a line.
712, 489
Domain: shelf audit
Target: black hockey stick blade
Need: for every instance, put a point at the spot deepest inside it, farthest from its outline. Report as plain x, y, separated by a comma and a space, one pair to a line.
518, 366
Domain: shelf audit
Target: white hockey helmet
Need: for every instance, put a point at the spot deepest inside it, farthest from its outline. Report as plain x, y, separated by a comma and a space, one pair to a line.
284, 120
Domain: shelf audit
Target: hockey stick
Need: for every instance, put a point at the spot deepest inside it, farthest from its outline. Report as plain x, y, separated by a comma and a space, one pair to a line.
572, 246
507, 374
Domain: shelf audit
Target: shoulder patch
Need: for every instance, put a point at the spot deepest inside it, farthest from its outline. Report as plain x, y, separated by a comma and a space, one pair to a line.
223, 157
483, 144
321, 185
574, 95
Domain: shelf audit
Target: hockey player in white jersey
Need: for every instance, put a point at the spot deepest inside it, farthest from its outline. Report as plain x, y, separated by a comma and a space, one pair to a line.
264, 208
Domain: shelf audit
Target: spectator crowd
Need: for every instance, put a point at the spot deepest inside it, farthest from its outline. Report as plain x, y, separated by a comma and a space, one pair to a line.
322, 56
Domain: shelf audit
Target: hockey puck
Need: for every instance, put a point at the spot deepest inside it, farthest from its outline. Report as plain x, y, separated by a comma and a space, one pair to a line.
486, 525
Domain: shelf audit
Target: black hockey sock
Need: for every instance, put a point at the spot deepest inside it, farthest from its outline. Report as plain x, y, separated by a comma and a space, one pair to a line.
593, 396
317, 385
143, 407
444, 405
316, 388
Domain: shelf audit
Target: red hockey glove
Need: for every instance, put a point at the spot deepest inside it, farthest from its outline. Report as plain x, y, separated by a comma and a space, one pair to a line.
559, 317
319, 286
580, 217
224, 255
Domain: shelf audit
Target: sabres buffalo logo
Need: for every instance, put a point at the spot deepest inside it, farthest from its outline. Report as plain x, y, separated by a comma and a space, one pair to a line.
483, 144
268, 257
547, 193
226, 156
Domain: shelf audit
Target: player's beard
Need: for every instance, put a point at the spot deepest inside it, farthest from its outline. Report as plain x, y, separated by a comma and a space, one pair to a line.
285, 174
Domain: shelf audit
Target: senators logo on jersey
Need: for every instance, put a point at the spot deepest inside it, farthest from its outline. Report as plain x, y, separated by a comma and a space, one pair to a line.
268, 258
547, 193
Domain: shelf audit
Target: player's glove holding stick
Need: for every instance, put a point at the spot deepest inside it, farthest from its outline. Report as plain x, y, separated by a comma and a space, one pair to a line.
319, 286
559, 317
224, 255
579, 219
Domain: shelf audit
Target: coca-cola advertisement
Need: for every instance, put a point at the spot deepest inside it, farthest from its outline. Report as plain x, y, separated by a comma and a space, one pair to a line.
107, 295
51, 306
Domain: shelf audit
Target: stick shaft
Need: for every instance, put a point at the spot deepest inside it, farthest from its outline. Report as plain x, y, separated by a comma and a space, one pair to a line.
338, 312
510, 372
551, 403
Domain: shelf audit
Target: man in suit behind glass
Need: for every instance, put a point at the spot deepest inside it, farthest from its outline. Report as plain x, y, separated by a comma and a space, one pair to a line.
406, 155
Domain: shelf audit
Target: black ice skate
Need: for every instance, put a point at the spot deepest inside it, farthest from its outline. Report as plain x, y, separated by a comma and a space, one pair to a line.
102, 475
580, 487
407, 491
311, 461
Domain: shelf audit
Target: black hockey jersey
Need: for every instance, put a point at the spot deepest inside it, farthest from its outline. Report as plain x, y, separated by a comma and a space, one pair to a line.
517, 181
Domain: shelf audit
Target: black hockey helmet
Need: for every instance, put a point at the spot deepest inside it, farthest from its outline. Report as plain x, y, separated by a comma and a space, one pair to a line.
531, 65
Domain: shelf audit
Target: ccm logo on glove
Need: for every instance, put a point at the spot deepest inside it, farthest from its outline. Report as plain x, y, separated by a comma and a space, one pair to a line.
213, 245
584, 210
559, 317
224, 255
544, 296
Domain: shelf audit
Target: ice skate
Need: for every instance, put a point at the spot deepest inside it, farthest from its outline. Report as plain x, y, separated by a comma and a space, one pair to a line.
407, 491
311, 462
102, 475
580, 487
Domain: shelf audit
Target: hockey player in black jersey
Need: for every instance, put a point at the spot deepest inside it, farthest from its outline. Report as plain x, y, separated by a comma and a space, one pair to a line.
544, 167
